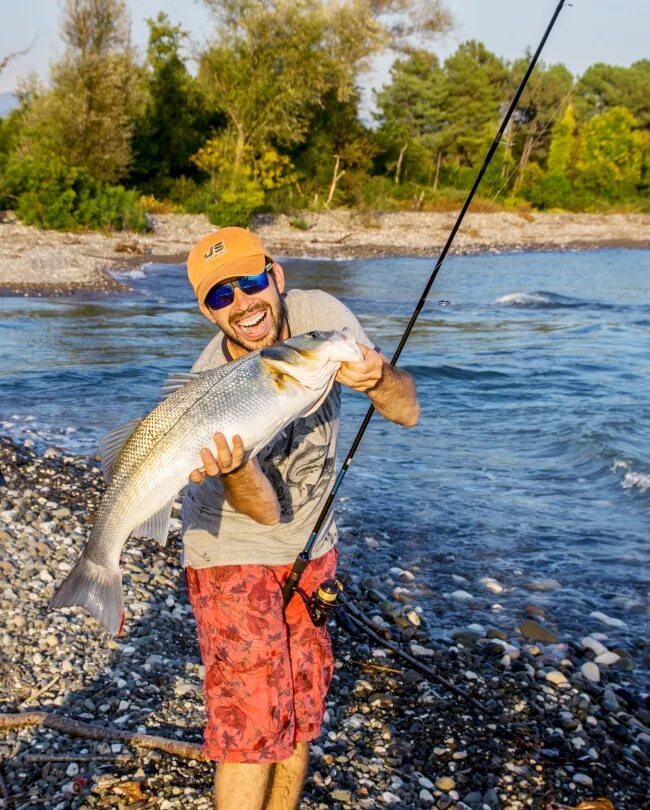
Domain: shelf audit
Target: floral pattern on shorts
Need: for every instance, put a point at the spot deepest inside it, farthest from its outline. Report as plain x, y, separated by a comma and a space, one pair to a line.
267, 671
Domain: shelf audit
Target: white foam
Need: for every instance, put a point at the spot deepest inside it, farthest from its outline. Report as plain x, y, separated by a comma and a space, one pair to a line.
638, 480
620, 464
522, 299
137, 272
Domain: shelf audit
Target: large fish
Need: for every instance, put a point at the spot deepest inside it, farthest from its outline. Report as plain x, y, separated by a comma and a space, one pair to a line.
147, 462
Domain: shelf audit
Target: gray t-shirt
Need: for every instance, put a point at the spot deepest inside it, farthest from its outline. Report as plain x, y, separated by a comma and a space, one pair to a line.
300, 462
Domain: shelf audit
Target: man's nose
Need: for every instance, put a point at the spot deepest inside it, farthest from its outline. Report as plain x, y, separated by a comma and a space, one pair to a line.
241, 299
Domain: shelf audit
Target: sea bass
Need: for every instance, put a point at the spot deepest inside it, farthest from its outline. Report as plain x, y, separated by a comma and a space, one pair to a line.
147, 462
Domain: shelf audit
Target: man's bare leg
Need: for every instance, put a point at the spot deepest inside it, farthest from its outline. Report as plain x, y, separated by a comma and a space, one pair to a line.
287, 780
241, 786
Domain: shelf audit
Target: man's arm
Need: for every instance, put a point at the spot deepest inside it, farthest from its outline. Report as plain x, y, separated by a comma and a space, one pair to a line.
391, 390
247, 489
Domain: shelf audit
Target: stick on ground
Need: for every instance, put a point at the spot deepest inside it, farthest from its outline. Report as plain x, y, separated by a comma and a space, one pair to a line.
75, 728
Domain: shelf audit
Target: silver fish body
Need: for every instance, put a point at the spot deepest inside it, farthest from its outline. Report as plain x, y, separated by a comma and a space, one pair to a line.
254, 397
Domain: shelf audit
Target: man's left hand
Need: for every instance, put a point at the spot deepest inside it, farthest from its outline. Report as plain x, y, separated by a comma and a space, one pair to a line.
364, 375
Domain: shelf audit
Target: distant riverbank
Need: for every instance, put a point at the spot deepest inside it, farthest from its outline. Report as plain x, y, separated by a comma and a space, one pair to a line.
49, 262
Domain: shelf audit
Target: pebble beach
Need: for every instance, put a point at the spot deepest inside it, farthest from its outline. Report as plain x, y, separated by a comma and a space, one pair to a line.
555, 721
37, 262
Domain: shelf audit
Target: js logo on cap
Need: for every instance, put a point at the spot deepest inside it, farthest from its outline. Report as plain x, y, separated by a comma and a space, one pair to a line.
215, 250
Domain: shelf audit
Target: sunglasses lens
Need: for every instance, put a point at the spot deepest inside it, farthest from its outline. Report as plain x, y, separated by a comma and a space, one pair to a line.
254, 284
220, 296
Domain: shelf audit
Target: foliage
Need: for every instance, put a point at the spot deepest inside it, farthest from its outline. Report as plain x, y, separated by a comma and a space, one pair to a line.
610, 155
272, 120
87, 115
236, 190
603, 87
175, 122
51, 194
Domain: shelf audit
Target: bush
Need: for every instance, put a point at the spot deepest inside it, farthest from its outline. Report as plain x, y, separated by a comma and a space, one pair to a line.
552, 191
54, 195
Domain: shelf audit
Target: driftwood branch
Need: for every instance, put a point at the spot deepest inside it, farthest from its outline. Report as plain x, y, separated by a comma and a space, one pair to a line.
75, 728
336, 176
38, 692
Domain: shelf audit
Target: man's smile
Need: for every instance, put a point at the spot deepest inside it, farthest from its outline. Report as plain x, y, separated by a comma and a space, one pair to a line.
255, 325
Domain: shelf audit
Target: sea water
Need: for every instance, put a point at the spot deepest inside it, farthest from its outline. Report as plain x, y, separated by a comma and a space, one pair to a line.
530, 466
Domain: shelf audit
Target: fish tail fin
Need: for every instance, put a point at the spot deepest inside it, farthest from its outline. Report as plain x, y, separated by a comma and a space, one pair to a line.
98, 588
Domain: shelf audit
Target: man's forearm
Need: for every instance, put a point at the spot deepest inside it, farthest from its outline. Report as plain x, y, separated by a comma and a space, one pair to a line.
249, 492
395, 397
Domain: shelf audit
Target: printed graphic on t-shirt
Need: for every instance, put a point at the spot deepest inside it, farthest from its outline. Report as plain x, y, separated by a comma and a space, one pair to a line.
299, 462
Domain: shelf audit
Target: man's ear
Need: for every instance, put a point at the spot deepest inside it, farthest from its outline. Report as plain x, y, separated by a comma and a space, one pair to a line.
278, 275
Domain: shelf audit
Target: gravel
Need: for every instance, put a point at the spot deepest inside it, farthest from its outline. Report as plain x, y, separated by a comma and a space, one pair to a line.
37, 262
549, 734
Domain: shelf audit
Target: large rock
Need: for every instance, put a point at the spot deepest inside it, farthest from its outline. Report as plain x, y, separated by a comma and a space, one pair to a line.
534, 631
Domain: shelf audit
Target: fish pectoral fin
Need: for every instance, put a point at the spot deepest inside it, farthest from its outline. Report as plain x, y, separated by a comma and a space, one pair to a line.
156, 526
111, 445
178, 380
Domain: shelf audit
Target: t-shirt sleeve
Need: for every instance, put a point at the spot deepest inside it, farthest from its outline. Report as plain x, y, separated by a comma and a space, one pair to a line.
328, 313
211, 357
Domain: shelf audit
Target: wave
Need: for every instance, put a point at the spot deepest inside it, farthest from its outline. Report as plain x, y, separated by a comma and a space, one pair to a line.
631, 479
539, 299
132, 273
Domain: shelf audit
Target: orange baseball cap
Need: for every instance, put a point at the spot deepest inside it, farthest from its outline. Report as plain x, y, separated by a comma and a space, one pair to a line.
225, 253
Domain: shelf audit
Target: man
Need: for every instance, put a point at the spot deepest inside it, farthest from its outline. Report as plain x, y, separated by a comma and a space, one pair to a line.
267, 671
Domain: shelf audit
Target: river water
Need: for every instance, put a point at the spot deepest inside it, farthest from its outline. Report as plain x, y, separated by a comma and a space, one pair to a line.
530, 464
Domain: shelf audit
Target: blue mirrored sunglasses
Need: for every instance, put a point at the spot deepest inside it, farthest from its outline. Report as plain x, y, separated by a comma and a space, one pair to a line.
222, 295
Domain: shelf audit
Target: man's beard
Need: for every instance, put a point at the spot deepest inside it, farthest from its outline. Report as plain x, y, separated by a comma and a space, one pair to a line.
275, 311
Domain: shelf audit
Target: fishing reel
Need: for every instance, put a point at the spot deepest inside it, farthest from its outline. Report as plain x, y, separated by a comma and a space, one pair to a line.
323, 602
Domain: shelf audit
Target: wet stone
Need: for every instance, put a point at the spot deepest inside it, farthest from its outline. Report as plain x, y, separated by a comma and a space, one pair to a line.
535, 631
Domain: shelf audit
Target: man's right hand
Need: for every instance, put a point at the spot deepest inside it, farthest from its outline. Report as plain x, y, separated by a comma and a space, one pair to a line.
225, 460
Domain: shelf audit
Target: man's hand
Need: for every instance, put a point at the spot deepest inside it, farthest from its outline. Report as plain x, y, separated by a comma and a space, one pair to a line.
225, 461
364, 375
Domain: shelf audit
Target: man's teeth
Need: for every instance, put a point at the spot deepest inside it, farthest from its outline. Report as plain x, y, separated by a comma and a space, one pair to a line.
253, 321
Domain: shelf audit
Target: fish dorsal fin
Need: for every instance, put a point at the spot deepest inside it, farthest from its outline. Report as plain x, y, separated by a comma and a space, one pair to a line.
156, 526
112, 443
178, 380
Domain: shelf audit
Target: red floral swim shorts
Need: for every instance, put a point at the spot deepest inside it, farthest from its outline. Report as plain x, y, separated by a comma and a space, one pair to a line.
267, 671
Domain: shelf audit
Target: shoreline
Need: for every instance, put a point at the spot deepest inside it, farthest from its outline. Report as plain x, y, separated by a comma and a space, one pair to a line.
35, 262
554, 734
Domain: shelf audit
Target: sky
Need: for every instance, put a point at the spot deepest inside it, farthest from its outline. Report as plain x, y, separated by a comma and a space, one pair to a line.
588, 31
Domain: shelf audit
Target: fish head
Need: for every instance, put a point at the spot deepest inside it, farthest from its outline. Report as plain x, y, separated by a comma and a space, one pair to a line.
313, 358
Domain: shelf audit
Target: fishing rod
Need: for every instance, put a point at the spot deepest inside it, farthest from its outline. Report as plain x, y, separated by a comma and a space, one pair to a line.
326, 600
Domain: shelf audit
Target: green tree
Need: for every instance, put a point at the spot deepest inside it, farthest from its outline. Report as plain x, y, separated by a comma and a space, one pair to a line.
544, 100
175, 123
475, 80
86, 118
554, 189
563, 143
411, 115
274, 63
334, 160
603, 87
610, 155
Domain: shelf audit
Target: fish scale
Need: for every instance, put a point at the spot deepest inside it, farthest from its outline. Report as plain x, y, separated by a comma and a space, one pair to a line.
148, 462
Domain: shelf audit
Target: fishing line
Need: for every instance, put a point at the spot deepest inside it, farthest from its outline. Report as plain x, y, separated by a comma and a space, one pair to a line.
488, 204
303, 558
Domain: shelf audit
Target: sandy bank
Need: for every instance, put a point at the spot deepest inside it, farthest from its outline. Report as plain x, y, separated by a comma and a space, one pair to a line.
47, 262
